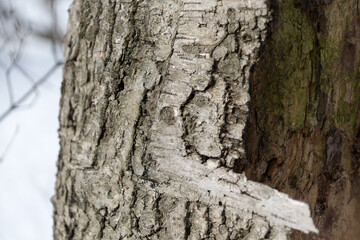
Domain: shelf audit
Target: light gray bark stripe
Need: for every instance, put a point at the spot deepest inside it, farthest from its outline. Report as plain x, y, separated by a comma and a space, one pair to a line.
233, 190
186, 177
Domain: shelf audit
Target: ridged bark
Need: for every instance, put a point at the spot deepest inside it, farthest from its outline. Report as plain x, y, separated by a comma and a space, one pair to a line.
154, 103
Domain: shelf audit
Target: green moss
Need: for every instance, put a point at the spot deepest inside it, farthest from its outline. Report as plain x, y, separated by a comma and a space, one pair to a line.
307, 84
291, 92
345, 117
303, 87
284, 91
330, 51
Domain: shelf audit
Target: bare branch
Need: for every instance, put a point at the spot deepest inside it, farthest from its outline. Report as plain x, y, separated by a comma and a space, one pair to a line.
3, 155
18, 103
21, 30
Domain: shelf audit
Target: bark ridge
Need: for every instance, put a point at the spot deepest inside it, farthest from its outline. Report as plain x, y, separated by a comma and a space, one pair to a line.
154, 104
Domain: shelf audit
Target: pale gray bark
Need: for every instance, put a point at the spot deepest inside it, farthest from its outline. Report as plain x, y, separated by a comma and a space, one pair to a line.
154, 103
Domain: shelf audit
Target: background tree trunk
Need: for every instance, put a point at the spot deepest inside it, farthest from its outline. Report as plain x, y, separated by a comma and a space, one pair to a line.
304, 135
154, 103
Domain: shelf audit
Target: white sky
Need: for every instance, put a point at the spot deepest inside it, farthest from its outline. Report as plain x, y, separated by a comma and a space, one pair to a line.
27, 174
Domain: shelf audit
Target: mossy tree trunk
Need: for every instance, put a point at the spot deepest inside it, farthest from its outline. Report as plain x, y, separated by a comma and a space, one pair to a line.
155, 100
304, 128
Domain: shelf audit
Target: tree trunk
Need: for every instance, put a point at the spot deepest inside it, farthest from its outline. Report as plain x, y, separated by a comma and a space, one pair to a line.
154, 104
304, 131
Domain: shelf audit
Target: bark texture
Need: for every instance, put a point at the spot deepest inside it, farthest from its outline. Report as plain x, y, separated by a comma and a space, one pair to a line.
303, 137
154, 103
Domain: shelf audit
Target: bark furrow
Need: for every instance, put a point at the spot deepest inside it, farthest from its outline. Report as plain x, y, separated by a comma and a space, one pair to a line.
154, 104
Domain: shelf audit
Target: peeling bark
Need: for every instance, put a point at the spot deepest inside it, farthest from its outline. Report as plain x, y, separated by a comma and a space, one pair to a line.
154, 104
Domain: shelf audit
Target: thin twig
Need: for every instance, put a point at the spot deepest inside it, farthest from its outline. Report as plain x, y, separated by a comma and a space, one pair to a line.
14, 30
3, 155
18, 103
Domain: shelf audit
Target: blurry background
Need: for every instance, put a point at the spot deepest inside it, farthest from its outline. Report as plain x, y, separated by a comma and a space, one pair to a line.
31, 32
